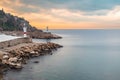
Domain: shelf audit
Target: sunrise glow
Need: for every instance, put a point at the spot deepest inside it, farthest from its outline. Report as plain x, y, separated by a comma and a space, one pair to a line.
70, 14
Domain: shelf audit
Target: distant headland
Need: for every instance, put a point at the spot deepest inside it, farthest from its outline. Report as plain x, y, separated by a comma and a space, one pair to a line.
13, 25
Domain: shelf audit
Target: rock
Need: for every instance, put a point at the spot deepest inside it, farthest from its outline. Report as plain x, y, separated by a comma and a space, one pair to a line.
5, 56
4, 61
14, 59
18, 66
36, 62
24, 61
20, 55
33, 52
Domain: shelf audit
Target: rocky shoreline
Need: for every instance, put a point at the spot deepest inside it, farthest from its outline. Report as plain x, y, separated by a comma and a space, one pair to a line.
16, 56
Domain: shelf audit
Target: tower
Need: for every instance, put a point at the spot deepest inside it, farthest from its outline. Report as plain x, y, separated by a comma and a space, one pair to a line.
25, 30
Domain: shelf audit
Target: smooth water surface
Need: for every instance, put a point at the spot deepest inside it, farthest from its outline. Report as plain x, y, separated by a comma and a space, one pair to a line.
86, 55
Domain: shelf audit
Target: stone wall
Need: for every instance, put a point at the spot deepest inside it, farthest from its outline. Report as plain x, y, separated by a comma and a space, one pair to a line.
14, 42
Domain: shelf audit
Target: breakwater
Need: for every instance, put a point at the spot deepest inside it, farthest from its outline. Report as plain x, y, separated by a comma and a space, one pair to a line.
15, 53
14, 42
34, 34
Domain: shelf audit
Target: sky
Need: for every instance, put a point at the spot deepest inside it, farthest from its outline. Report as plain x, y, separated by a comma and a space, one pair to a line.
66, 14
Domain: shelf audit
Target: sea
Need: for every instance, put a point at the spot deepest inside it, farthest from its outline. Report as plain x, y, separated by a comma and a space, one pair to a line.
86, 55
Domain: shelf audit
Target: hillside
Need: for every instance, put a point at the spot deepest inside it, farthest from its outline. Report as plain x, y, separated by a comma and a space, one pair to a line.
10, 22
13, 25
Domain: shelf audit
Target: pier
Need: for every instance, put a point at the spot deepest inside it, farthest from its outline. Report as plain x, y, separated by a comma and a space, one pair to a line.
15, 51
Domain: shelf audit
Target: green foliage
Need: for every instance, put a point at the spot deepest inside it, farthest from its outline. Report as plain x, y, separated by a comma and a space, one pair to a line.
9, 22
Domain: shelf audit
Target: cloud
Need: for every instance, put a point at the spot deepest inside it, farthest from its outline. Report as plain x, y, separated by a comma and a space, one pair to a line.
17, 7
109, 18
82, 5
69, 13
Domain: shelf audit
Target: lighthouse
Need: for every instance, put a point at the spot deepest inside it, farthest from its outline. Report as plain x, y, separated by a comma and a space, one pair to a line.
25, 30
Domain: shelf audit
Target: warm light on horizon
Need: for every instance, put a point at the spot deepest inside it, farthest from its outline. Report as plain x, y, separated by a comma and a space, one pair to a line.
56, 17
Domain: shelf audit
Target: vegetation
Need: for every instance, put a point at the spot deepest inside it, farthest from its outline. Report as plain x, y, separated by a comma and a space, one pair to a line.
9, 22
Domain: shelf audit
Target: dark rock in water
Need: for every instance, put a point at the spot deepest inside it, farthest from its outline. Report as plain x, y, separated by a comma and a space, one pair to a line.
50, 53
16, 67
36, 62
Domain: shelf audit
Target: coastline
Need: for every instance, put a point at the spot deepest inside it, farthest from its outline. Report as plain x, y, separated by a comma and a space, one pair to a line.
15, 56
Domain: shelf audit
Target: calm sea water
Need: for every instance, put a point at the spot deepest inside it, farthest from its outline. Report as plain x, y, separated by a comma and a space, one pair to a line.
86, 55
